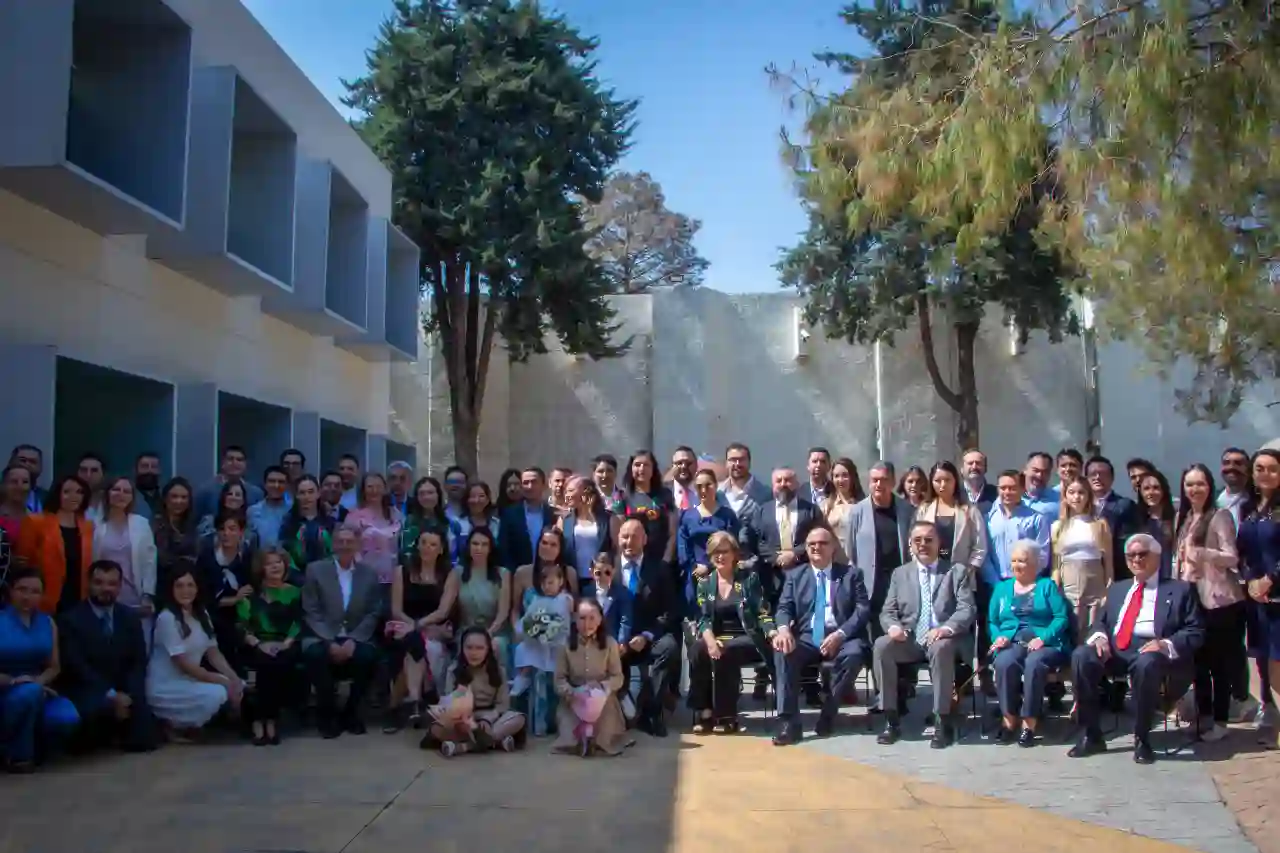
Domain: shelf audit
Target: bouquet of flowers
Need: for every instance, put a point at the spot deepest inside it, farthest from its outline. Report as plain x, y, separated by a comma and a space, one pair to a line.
543, 625
587, 704
455, 712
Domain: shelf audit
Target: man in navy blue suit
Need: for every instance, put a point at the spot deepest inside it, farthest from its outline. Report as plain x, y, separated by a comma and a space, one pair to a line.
822, 616
1149, 631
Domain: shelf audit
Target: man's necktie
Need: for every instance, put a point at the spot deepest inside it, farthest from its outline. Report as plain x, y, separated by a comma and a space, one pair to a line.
820, 609
786, 538
685, 503
1124, 634
633, 578
105, 618
924, 622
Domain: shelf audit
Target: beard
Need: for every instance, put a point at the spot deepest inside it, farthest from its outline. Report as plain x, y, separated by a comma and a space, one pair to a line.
783, 496
103, 601
147, 482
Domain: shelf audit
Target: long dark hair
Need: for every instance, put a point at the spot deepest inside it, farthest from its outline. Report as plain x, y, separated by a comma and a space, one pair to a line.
493, 571
490, 510
958, 495
1255, 506
655, 476
462, 673
928, 484
188, 516
536, 581
855, 479
1201, 531
503, 500
602, 633
442, 566
414, 509
53, 497
197, 609
295, 509
1166, 496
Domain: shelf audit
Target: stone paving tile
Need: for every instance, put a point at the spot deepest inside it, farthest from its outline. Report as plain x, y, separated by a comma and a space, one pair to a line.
1248, 778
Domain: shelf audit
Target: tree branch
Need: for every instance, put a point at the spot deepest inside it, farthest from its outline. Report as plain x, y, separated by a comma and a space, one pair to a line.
951, 398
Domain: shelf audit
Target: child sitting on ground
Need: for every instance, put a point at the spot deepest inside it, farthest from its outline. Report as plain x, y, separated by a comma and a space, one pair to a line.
475, 715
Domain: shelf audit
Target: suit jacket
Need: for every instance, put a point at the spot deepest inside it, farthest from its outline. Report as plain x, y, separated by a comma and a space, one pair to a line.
761, 540
620, 617
851, 603
322, 609
969, 542
1178, 616
567, 524
756, 494
94, 663
953, 598
986, 499
1121, 514
656, 607
862, 534
514, 546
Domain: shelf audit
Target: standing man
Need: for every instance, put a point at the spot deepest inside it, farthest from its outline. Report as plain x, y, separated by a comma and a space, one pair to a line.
294, 463
146, 482
1038, 495
32, 458
234, 464
559, 483
267, 515
455, 492
349, 471
1070, 465
1235, 481
879, 533
1119, 511
819, 468
92, 468
743, 493
980, 493
522, 524
399, 479
684, 464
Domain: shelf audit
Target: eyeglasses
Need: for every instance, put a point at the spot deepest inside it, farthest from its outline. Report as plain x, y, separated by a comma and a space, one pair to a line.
604, 574
717, 552
1136, 555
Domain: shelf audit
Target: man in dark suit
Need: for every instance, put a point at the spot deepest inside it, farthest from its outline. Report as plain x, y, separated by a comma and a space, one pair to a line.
981, 494
1149, 631
342, 604
654, 644
521, 524
821, 616
772, 539
1120, 512
104, 665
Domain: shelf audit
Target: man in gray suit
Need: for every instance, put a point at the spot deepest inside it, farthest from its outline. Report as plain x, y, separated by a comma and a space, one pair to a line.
927, 612
342, 604
879, 526
741, 491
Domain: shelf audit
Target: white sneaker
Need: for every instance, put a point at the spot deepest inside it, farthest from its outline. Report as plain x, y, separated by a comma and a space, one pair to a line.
1214, 733
1243, 712
1267, 718
521, 684
1186, 708
448, 749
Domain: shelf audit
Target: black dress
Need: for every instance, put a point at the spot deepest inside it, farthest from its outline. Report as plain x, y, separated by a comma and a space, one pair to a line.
420, 599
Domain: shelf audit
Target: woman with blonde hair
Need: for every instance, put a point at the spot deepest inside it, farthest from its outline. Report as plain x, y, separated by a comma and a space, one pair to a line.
1082, 554
270, 623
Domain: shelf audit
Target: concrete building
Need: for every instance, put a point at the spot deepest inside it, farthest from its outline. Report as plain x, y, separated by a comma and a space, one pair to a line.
195, 247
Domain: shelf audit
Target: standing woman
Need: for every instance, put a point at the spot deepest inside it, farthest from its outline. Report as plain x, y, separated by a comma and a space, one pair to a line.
586, 533
1156, 516
696, 527
962, 531
379, 525
307, 532
480, 511
1207, 558
646, 499
1258, 540
59, 542
484, 590
174, 530
270, 622
1082, 554
509, 491
914, 486
527, 580
423, 595
590, 659
846, 490
426, 509
125, 538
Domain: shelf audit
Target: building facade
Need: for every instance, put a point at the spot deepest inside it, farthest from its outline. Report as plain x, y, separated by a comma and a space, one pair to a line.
195, 247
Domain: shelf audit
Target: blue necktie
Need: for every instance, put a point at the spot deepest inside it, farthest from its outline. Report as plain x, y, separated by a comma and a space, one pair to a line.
820, 609
106, 624
633, 578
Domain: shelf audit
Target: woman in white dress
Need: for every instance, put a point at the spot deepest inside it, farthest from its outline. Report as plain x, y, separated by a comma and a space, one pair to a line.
181, 692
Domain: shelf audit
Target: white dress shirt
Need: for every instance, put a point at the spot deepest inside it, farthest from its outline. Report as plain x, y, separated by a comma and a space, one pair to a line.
1145, 628
829, 614
736, 498
345, 582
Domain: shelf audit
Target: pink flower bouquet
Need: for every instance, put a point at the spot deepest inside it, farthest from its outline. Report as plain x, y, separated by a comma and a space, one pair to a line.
587, 704
455, 712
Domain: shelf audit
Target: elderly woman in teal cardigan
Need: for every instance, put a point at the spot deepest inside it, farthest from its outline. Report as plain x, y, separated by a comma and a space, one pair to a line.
1030, 633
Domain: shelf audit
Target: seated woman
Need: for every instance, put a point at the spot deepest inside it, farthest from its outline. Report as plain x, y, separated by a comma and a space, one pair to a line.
733, 621
423, 593
270, 622
590, 660
182, 693
1031, 635
493, 724
33, 718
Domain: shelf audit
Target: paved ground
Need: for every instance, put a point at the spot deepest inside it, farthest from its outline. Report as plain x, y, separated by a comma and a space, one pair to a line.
378, 793
1248, 778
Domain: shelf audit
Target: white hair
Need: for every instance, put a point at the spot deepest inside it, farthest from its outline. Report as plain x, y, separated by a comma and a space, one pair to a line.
1153, 544
400, 466
1031, 546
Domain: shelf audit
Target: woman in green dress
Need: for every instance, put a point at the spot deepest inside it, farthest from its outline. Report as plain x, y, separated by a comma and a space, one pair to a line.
484, 593
270, 621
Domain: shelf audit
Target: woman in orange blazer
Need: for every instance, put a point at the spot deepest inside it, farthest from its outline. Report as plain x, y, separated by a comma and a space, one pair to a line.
59, 542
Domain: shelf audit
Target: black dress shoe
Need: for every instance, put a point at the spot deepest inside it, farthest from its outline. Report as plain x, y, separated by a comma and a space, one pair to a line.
813, 699
789, 736
329, 728
826, 725
1026, 738
1004, 736
892, 734
355, 726
657, 726
1142, 752
1087, 745
943, 735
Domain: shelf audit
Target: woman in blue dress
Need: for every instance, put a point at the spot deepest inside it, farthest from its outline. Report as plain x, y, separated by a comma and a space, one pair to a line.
1258, 541
33, 717
695, 529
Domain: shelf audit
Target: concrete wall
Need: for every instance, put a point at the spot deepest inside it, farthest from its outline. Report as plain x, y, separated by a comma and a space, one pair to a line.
707, 368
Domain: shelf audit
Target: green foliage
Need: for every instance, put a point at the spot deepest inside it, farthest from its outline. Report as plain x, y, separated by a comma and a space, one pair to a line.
493, 124
639, 243
1155, 126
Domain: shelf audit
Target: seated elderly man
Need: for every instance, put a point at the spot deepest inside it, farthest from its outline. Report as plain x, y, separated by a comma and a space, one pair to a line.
927, 611
1149, 630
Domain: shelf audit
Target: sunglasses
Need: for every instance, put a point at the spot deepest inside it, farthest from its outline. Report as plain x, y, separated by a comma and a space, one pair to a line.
1136, 555
603, 574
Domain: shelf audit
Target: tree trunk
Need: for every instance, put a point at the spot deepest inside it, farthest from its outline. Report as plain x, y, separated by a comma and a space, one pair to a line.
467, 331
964, 401
466, 439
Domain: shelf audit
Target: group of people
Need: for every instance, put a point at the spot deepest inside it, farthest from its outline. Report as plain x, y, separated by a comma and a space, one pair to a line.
563, 604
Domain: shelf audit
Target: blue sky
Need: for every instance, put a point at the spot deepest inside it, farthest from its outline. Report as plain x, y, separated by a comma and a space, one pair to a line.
709, 118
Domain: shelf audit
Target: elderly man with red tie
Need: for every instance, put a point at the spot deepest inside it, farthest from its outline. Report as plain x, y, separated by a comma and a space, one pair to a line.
1149, 632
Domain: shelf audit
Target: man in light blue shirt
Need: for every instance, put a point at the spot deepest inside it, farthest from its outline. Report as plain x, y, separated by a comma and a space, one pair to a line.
267, 515
1037, 496
1010, 521
1070, 464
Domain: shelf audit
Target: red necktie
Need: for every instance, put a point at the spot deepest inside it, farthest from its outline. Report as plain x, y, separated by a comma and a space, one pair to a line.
1124, 635
684, 499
